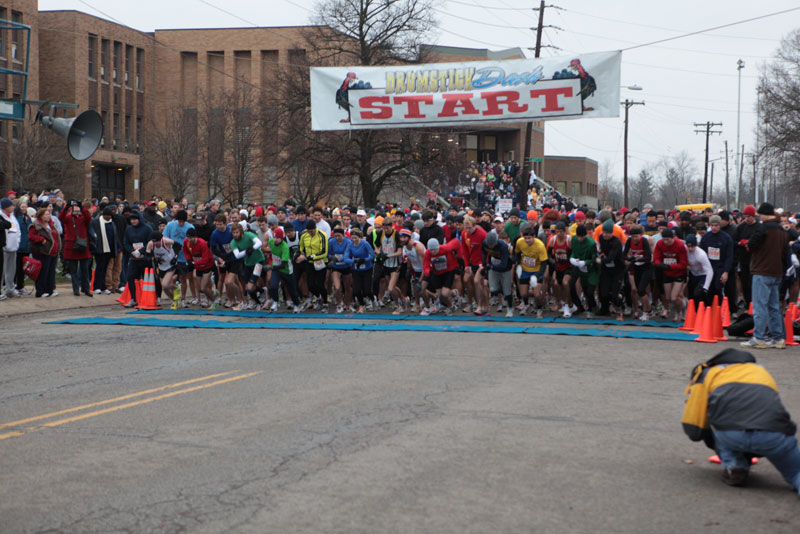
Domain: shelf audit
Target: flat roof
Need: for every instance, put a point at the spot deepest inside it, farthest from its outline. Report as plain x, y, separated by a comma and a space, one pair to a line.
475, 52
571, 157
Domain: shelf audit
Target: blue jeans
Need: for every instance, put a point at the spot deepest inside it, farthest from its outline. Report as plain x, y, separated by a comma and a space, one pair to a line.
81, 277
735, 447
767, 307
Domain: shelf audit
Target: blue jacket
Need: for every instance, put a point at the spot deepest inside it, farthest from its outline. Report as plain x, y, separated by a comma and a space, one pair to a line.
721, 257
139, 234
362, 255
24, 223
299, 226
340, 256
496, 258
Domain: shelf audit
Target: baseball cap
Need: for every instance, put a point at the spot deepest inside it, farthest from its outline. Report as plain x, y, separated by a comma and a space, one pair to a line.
361, 213
498, 219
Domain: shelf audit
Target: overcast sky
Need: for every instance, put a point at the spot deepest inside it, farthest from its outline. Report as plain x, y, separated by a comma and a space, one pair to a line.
688, 80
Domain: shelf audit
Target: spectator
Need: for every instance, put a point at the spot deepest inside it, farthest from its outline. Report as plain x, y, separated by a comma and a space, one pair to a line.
107, 244
24, 219
11, 245
769, 247
76, 220
45, 245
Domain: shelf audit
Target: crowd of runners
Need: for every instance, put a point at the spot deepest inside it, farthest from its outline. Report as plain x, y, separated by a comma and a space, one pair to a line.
413, 259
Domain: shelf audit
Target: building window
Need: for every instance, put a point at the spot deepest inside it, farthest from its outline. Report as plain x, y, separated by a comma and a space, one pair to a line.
116, 130
139, 134
139, 69
117, 59
128, 64
127, 132
15, 130
3, 129
3, 15
104, 117
104, 59
92, 55
577, 189
16, 36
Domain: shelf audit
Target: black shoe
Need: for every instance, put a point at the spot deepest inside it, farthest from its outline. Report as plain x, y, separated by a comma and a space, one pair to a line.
76, 293
735, 477
88, 293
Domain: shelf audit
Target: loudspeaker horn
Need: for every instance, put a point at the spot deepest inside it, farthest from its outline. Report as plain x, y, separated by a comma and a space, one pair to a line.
83, 133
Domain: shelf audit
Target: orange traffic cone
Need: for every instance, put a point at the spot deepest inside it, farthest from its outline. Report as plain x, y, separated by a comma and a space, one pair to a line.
125, 297
707, 335
796, 312
138, 290
691, 314
789, 327
714, 459
726, 313
149, 298
91, 285
698, 322
715, 302
716, 322
750, 308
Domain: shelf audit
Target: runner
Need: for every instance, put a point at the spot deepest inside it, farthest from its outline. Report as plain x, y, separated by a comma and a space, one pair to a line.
670, 257
282, 270
701, 273
612, 270
640, 270
439, 268
389, 249
585, 274
340, 261
165, 259
497, 266
558, 251
471, 242
197, 249
531, 256
362, 254
413, 256
246, 246
314, 254
228, 266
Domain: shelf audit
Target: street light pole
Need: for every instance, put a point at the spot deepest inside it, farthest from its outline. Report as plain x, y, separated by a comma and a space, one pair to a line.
627, 103
739, 67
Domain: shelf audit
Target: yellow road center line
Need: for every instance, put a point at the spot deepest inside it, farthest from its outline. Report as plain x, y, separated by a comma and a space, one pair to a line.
109, 401
124, 406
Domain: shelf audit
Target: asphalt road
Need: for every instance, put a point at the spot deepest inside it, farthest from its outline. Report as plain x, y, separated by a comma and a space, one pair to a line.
133, 429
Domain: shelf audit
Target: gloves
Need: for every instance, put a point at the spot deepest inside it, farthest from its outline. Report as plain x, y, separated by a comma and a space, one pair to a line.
519, 271
662, 266
742, 242
575, 262
249, 250
136, 254
534, 281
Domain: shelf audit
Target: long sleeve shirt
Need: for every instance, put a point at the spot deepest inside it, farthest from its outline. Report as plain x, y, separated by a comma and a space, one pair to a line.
314, 248
362, 255
443, 261
674, 257
340, 254
719, 248
700, 266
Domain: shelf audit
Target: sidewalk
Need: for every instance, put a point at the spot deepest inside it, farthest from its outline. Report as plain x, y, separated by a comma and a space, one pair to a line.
64, 301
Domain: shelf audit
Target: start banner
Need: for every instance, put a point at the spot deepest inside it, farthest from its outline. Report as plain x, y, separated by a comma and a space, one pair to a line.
454, 94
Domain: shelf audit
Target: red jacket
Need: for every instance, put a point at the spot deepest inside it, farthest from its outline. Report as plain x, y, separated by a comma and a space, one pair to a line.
44, 238
675, 256
471, 246
199, 253
435, 262
73, 226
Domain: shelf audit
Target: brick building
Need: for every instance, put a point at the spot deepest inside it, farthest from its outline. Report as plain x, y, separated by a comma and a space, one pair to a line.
138, 81
573, 176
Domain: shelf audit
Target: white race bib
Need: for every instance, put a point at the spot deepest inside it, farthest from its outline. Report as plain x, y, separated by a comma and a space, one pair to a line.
670, 261
319, 265
527, 261
713, 253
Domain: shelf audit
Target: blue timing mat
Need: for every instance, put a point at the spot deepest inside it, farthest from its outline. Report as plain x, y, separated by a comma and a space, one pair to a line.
389, 317
489, 329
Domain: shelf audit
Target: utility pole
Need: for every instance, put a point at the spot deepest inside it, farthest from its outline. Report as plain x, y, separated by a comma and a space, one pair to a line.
727, 175
708, 132
711, 184
627, 103
739, 155
527, 164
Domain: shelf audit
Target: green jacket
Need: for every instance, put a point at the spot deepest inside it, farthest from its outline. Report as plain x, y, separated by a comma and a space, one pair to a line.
586, 251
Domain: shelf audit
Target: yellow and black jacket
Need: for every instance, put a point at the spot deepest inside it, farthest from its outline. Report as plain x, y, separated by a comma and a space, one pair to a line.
731, 392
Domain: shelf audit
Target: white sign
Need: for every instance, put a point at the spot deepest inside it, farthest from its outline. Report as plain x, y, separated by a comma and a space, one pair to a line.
504, 205
451, 94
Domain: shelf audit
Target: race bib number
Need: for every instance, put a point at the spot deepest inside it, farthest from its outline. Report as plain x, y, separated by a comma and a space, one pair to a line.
670, 261
227, 248
338, 257
496, 261
257, 269
610, 264
276, 261
138, 246
713, 253
387, 249
319, 265
197, 259
439, 263
527, 261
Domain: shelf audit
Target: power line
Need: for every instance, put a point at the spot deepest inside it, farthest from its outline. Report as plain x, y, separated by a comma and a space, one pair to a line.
714, 28
227, 12
708, 131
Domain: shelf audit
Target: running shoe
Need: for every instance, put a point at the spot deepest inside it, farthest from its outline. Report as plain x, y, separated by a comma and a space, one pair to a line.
194, 302
467, 309
644, 316
509, 313
251, 305
448, 311
425, 312
340, 308
351, 309
107, 292
54, 294
324, 309
360, 309
296, 309
567, 311
779, 344
500, 307
539, 313
239, 306
523, 309
98, 291
755, 343
131, 304
274, 307
415, 308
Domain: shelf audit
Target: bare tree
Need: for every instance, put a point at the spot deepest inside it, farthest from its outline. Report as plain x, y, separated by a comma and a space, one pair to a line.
369, 32
35, 158
211, 145
679, 182
609, 188
779, 128
240, 140
172, 149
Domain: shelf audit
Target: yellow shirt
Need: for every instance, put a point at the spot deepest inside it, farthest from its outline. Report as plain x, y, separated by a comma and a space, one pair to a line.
533, 256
